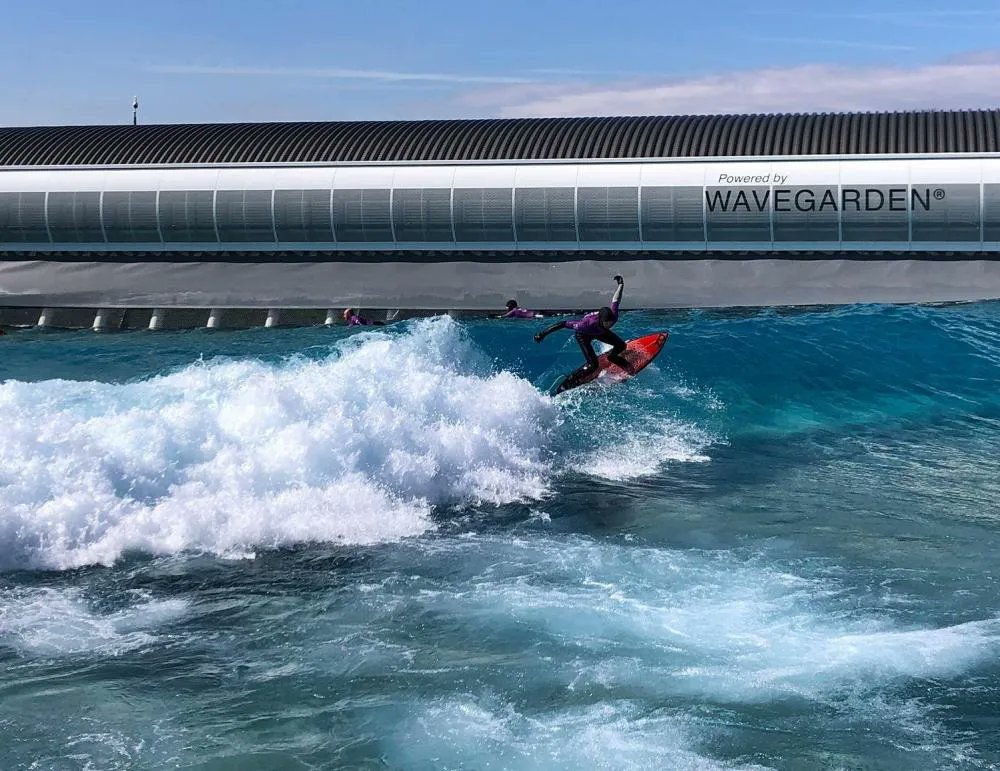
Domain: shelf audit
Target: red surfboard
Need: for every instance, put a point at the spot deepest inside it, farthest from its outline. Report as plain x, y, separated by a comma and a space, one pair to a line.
638, 353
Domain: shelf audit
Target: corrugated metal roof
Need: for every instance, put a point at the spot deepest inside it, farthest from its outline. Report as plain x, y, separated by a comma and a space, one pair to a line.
689, 136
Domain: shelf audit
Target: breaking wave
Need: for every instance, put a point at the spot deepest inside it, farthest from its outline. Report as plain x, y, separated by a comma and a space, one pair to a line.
231, 455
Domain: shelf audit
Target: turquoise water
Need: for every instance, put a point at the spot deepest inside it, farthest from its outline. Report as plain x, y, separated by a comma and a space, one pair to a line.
776, 548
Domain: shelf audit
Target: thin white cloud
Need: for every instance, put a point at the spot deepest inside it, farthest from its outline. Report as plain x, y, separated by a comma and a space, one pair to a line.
909, 15
966, 20
577, 73
338, 74
903, 16
811, 41
969, 83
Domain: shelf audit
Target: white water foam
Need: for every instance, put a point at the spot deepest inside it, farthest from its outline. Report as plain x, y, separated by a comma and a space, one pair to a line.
670, 624
647, 451
471, 732
626, 438
51, 622
227, 456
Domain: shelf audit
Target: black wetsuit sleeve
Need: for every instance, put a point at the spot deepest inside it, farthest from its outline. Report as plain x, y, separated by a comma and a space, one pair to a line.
554, 328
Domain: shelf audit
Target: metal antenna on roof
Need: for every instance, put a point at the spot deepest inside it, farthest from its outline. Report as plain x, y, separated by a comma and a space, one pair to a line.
135, 111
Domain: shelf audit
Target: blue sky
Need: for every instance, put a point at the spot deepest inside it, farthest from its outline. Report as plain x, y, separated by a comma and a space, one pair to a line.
72, 62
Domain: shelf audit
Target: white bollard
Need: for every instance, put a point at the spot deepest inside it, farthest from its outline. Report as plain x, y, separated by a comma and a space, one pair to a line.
156, 320
45, 318
101, 320
331, 317
214, 318
272, 318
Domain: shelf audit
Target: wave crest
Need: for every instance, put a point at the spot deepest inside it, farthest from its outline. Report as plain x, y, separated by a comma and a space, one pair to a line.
227, 456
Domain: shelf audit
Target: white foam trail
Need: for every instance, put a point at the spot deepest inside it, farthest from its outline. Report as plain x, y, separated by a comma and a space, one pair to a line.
645, 452
464, 732
50, 622
819, 661
227, 456
710, 626
626, 437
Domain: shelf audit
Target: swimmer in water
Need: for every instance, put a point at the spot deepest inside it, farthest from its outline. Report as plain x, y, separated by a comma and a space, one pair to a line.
596, 326
353, 319
515, 312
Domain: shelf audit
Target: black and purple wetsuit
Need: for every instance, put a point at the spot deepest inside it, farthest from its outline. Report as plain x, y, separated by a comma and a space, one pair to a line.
596, 326
355, 320
520, 313
590, 325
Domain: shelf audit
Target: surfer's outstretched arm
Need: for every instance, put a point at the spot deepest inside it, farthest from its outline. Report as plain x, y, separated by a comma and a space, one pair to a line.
554, 328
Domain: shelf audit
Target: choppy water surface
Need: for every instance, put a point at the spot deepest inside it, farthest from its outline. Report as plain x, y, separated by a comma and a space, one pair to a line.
308, 548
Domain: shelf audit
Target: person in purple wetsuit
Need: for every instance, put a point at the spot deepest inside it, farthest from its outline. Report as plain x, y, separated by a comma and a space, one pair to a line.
596, 326
514, 312
353, 319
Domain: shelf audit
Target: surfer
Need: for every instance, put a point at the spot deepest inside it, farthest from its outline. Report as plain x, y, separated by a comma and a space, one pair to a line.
596, 326
353, 319
515, 312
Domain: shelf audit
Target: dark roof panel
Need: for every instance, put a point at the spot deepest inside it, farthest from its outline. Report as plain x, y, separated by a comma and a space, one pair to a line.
491, 139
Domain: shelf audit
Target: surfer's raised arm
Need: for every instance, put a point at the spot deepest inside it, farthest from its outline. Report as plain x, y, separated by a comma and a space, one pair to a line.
616, 298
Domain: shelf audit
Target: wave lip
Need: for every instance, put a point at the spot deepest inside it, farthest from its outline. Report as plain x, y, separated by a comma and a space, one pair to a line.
228, 456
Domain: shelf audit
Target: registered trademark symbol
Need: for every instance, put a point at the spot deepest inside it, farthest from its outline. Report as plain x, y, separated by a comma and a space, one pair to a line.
939, 194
